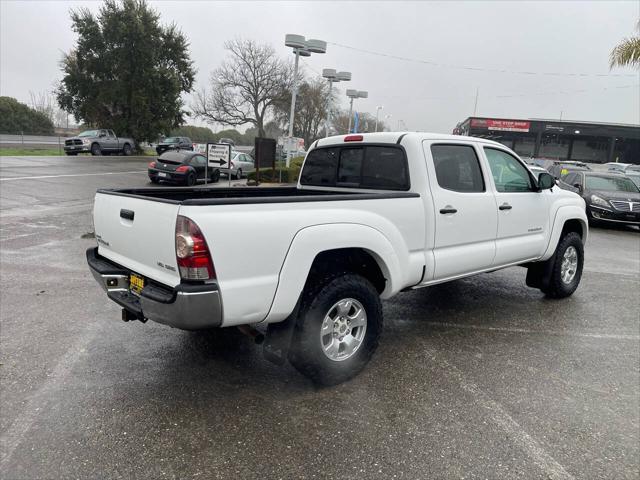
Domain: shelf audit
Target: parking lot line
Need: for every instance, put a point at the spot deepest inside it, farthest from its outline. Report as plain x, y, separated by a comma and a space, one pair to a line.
515, 432
543, 332
6, 179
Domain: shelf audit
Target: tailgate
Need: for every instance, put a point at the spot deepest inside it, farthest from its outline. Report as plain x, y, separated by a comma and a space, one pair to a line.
138, 234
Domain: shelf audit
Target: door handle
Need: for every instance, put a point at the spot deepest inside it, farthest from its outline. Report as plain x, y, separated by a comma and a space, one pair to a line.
127, 214
505, 206
448, 209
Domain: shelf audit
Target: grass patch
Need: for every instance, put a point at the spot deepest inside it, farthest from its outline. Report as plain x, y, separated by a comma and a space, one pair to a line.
29, 152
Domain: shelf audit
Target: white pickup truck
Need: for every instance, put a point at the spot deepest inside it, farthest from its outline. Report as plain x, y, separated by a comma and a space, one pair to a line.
372, 215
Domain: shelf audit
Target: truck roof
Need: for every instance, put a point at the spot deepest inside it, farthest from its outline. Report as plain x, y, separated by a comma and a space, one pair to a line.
393, 137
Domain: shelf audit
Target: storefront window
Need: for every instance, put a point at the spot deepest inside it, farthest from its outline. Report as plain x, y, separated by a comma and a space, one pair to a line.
555, 146
627, 150
525, 145
590, 149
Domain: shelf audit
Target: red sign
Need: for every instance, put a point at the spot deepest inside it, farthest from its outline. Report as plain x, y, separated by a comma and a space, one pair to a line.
503, 125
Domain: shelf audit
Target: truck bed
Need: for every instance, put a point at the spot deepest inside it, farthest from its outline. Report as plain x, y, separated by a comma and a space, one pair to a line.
247, 195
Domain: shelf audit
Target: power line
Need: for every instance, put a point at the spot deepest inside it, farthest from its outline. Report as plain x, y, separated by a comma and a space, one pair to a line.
480, 69
517, 95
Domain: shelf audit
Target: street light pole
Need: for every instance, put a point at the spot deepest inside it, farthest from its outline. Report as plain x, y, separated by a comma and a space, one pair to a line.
333, 77
377, 113
294, 94
353, 94
305, 48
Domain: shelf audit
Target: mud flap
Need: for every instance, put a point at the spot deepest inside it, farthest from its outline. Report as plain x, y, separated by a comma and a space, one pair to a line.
539, 273
278, 338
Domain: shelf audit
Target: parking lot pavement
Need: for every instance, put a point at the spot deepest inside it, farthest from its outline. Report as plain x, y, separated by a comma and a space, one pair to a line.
479, 378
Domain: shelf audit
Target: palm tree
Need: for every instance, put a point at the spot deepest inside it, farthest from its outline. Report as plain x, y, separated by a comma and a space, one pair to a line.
627, 52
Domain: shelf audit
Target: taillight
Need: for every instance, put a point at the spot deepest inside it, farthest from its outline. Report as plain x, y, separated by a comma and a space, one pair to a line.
192, 252
152, 164
182, 168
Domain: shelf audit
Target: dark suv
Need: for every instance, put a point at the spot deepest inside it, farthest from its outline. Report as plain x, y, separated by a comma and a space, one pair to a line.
174, 143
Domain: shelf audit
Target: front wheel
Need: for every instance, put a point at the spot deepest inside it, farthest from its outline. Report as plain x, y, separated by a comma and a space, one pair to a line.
127, 150
567, 267
338, 328
96, 150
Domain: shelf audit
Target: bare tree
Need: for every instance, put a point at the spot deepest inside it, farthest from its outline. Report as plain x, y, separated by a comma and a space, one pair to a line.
44, 103
311, 109
245, 87
366, 122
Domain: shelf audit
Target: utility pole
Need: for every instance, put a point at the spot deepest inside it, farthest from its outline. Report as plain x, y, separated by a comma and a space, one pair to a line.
475, 106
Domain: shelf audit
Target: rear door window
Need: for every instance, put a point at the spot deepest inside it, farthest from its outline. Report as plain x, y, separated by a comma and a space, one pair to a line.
457, 168
374, 167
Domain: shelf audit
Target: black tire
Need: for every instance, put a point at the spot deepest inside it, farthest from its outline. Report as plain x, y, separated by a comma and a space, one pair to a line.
215, 176
307, 354
557, 287
127, 150
191, 179
154, 180
239, 174
96, 150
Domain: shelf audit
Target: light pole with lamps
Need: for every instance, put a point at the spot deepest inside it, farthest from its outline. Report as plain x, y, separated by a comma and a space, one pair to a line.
333, 77
377, 113
305, 48
353, 94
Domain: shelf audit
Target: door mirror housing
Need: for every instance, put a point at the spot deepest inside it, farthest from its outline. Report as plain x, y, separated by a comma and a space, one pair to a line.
546, 181
578, 186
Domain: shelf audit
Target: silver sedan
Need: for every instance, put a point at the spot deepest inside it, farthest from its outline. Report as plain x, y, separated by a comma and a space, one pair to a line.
241, 164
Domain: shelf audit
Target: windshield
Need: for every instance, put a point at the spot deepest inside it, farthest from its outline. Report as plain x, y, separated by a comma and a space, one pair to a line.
611, 184
635, 178
171, 140
89, 133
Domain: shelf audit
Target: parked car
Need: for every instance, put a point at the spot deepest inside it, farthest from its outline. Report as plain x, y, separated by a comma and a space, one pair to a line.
241, 164
622, 167
98, 142
228, 141
174, 143
372, 215
560, 169
182, 167
609, 197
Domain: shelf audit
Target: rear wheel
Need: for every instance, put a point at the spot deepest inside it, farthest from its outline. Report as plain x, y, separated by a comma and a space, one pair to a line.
154, 180
96, 150
339, 325
215, 176
239, 174
567, 267
191, 179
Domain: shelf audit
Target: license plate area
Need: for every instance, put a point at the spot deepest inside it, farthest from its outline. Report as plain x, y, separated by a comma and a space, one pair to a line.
162, 174
136, 283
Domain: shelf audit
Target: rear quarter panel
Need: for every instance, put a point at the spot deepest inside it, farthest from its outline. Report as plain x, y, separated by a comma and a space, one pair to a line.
249, 244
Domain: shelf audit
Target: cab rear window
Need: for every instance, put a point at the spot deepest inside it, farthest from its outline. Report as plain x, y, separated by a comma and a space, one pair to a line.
374, 167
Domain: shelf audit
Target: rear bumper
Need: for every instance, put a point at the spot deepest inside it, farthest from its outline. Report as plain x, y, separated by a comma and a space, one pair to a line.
173, 177
187, 306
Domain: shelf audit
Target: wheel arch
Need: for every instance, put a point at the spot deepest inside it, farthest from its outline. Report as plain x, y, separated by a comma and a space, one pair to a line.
320, 250
567, 219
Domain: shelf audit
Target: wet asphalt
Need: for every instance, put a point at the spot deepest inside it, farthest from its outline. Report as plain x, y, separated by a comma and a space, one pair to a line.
478, 378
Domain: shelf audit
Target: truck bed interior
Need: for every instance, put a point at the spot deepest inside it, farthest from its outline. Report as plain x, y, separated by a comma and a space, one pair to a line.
241, 195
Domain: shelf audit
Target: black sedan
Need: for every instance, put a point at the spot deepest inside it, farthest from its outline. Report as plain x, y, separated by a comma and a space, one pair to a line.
609, 197
181, 167
174, 143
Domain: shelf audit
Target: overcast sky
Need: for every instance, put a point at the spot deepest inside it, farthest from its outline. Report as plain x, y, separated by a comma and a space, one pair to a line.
553, 41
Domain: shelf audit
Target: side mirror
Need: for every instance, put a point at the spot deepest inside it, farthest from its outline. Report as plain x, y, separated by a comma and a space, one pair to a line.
578, 186
546, 181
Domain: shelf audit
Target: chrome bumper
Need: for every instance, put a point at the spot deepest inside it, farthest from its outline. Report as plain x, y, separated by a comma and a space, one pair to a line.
187, 306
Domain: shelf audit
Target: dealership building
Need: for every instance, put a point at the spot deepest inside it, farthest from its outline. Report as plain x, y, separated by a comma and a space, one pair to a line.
559, 139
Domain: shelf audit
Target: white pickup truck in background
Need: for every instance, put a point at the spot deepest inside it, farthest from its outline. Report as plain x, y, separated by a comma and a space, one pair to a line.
372, 215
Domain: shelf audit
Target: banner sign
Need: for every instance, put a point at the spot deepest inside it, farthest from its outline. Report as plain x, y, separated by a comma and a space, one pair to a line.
502, 125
